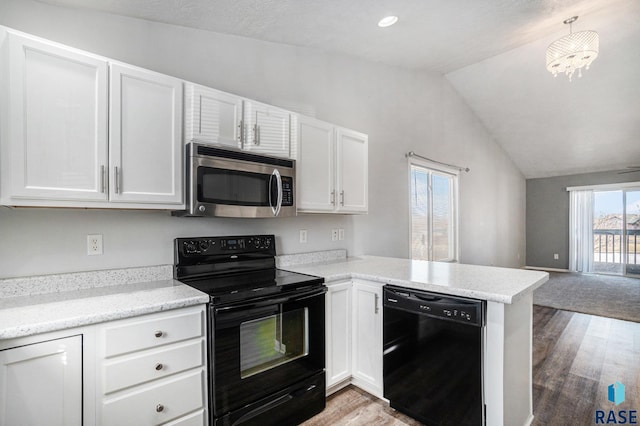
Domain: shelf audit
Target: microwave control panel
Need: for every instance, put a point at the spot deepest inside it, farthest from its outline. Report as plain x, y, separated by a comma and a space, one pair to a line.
287, 191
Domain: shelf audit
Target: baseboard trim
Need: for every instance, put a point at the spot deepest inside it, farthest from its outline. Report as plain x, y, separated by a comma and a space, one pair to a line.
337, 386
543, 268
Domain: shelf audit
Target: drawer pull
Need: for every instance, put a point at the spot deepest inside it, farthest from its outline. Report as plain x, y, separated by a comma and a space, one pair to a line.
158, 333
159, 366
159, 408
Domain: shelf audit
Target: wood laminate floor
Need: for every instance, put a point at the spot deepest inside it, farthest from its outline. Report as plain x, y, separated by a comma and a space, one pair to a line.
575, 358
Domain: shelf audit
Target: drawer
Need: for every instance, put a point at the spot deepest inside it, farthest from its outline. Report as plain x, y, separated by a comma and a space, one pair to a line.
159, 402
150, 331
199, 418
150, 365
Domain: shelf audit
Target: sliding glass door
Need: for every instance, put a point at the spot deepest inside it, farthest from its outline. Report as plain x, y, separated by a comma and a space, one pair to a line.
616, 229
632, 232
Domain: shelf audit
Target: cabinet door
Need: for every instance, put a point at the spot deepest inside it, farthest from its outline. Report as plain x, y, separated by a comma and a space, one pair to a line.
315, 166
41, 384
267, 129
352, 171
213, 116
145, 137
57, 122
338, 344
367, 337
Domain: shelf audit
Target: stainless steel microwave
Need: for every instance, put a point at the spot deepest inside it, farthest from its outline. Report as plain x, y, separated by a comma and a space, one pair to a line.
233, 183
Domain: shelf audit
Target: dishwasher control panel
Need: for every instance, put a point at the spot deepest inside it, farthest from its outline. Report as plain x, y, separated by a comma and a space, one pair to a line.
453, 308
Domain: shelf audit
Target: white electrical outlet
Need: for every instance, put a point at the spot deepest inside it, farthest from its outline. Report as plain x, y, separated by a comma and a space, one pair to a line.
94, 244
334, 234
341, 234
556, 256
303, 236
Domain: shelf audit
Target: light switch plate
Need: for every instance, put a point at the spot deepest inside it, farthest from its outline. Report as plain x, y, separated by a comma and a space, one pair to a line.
334, 234
341, 234
303, 236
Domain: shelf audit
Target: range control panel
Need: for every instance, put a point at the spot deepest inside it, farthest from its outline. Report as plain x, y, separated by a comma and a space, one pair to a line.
210, 246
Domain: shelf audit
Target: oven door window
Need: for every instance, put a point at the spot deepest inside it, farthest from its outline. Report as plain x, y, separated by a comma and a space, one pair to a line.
236, 188
269, 342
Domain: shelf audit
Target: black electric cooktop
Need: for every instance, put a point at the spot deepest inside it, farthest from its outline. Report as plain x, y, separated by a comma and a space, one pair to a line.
232, 269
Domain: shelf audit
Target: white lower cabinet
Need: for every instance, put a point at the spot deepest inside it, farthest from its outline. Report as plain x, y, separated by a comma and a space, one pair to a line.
338, 333
145, 370
354, 335
41, 383
152, 369
367, 337
158, 402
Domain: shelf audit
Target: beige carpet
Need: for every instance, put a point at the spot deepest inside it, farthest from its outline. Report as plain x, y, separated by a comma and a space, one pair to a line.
603, 295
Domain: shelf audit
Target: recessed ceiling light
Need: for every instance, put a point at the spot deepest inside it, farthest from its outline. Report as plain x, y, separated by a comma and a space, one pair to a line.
387, 21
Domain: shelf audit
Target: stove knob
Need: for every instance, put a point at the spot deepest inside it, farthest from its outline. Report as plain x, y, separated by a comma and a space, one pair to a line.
190, 247
204, 245
202, 209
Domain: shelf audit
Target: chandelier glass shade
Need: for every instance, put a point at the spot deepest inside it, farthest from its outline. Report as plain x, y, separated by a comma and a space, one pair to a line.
573, 52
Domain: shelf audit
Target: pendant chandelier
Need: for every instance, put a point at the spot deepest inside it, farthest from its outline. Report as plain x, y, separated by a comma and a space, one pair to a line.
572, 52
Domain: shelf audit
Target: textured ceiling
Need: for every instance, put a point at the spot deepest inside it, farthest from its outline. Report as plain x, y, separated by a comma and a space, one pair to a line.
491, 50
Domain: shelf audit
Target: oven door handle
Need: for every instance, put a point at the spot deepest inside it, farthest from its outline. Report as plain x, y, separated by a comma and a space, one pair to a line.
267, 302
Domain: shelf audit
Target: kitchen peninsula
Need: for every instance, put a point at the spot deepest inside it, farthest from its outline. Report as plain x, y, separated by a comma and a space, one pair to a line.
507, 362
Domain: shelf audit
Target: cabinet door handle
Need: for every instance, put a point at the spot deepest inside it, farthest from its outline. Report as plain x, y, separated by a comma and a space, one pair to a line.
102, 179
376, 303
116, 175
241, 131
342, 198
333, 197
159, 366
256, 134
159, 408
158, 333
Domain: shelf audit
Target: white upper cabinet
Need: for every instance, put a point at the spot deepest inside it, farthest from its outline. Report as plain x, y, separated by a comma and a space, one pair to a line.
332, 168
212, 116
57, 128
316, 166
220, 118
86, 132
267, 129
352, 171
145, 137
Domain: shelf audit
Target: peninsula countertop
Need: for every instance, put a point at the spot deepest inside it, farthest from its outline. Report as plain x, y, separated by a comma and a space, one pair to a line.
502, 285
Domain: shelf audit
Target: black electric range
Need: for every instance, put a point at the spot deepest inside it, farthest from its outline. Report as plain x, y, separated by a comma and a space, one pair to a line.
265, 330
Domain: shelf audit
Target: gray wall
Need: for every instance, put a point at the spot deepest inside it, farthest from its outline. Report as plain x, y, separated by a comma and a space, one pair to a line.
548, 214
401, 110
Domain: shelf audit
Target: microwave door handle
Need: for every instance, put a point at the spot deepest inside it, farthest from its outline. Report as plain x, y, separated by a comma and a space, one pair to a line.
273, 209
279, 181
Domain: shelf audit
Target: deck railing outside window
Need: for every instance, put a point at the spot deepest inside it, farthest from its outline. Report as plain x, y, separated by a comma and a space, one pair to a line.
607, 246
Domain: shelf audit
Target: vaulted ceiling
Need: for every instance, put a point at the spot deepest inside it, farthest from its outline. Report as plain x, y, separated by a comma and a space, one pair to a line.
492, 51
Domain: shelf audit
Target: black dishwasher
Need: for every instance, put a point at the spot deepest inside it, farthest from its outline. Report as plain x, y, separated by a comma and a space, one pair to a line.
433, 352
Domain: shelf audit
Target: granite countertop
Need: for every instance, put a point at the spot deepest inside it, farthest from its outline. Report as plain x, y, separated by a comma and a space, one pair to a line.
34, 305
503, 285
